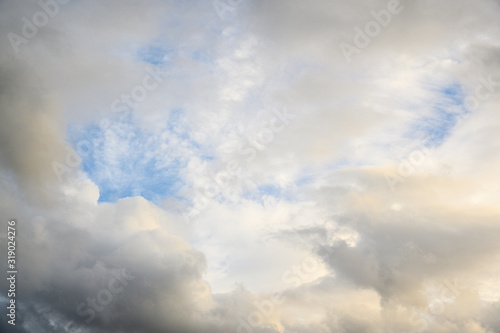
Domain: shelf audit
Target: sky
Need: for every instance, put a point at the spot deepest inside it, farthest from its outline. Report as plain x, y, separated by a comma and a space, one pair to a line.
251, 166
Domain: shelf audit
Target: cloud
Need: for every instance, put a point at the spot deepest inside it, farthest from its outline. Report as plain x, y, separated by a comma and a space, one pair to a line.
323, 195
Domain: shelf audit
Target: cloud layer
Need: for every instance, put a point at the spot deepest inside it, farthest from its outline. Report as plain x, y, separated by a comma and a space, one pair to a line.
252, 166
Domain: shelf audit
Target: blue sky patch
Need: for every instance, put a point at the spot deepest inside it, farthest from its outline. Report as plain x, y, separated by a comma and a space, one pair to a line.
154, 54
124, 161
437, 127
269, 189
